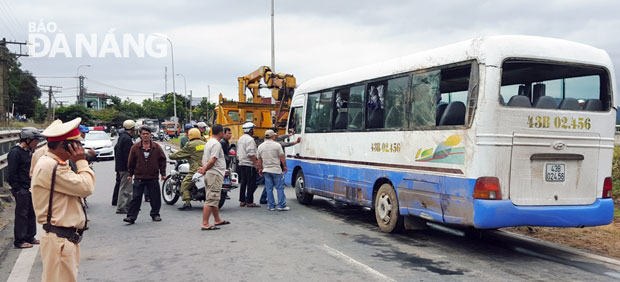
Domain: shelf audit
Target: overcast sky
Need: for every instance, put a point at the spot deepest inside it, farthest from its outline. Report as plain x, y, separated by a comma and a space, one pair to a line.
217, 41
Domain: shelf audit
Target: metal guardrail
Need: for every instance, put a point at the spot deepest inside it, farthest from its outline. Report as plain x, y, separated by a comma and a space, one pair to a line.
8, 138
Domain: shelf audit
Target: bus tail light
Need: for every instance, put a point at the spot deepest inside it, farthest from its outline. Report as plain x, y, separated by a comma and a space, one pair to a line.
487, 188
607, 187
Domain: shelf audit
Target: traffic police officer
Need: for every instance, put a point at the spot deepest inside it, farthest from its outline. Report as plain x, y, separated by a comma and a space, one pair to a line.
57, 194
18, 175
193, 151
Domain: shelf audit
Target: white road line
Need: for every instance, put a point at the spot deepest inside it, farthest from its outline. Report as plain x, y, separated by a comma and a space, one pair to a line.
25, 260
356, 263
23, 265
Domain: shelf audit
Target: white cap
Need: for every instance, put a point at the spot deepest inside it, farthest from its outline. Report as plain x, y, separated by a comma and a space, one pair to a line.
129, 124
247, 126
269, 133
202, 124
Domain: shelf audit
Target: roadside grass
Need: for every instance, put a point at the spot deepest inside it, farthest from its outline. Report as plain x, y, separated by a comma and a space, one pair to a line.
175, 141
20, 124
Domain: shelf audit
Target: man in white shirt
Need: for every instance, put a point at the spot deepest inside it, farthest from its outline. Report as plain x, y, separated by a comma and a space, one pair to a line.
246, 153
213, 166
270, 157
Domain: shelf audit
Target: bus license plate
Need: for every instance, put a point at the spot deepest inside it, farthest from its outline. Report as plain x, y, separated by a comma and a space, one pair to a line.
555, 172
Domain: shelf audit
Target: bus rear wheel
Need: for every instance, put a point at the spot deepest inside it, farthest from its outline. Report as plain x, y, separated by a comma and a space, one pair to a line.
303, 197
386, 210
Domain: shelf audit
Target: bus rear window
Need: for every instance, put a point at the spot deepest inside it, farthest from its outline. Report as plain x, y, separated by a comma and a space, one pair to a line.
546, 85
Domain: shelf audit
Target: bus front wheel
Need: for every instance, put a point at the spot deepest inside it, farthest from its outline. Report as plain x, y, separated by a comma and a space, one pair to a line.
303, 197
386, 210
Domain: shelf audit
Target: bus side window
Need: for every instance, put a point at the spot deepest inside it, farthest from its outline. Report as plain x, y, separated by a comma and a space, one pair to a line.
319, 112
395, 101
425, 92
341, 114
356, 107
375, 108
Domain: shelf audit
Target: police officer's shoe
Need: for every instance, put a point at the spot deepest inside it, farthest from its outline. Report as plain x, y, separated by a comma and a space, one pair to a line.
185, 207
156, 218
129, 220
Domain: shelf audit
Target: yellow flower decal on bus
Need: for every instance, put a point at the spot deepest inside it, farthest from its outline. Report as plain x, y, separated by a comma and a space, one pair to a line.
448, 152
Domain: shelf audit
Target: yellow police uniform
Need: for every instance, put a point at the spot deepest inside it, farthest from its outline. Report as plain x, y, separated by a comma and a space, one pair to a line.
193, 151
60, 256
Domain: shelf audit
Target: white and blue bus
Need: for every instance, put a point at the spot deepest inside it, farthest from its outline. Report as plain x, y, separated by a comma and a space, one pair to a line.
491, 132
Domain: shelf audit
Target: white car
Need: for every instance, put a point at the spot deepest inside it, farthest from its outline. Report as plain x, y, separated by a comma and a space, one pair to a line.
101, 143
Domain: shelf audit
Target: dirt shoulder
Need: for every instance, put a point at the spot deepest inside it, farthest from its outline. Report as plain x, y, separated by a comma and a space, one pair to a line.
602, 240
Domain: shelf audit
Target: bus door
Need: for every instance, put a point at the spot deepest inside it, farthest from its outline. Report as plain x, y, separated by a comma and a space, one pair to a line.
295, 119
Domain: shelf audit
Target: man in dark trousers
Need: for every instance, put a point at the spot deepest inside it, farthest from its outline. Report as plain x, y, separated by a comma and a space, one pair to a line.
121, 157
18, 174
226, 145
146, 162
117, 185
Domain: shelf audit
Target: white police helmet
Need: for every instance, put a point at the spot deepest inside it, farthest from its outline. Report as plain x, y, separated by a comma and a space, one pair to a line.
248, 126
201, 125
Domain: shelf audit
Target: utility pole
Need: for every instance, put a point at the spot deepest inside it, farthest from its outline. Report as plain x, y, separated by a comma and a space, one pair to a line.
4, 76
209, 91
190, 106
273, 48
81, 90
50, 93
165, 80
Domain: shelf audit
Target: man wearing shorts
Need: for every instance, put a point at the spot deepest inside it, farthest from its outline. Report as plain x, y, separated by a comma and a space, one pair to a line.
213, 166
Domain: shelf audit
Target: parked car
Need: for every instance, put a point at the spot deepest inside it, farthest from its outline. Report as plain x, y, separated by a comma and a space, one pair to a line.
101, 143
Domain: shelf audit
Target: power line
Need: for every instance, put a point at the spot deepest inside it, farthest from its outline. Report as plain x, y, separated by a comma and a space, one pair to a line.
123, 89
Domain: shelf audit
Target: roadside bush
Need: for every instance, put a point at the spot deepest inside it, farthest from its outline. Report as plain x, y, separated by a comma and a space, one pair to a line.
615, 173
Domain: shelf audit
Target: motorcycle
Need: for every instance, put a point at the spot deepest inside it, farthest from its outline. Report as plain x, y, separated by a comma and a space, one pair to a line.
171, 190
163, 136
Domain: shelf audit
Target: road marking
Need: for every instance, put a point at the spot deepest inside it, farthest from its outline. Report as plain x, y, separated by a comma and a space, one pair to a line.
25, 260
23, 264
356, 263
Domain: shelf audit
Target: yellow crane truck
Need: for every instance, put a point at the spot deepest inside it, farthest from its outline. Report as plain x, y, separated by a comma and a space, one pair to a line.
261, 111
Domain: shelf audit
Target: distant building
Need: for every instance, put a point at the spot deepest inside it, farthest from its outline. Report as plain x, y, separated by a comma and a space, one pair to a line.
96, 101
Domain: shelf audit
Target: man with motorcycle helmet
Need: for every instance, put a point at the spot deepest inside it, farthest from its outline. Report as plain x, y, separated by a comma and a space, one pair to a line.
204, 130
192, 151
18, 174
246, 154
183, 140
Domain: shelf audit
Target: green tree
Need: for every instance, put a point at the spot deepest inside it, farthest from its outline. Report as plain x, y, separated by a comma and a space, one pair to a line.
204, 111
131, 109
181, 102
73, 111
155, 109
106, 116
40, 113
23, 89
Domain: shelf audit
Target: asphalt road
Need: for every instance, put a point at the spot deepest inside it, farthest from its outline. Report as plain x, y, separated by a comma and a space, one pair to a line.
321, 242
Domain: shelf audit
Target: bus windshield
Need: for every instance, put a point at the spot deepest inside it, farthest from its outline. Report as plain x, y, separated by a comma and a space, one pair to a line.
554, 86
